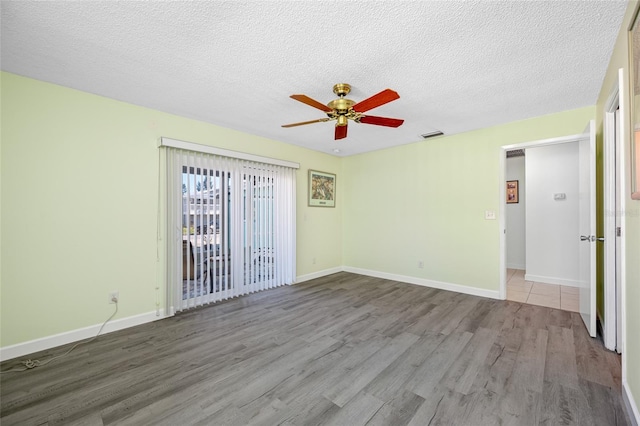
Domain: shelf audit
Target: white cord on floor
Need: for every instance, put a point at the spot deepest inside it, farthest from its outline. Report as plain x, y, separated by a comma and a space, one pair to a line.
29, 364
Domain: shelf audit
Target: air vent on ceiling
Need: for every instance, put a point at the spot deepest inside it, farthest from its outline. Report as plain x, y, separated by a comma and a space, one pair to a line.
432, 134
515, 153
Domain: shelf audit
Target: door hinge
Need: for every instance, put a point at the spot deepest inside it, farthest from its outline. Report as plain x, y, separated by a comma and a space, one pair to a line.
618, 231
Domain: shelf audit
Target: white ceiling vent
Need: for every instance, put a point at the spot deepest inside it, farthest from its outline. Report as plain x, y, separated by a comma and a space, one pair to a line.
431, 134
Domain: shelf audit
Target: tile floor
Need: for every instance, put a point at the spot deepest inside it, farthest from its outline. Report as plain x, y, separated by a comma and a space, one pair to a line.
533, 293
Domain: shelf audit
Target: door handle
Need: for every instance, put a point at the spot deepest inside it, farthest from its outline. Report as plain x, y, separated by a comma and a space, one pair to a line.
600, 239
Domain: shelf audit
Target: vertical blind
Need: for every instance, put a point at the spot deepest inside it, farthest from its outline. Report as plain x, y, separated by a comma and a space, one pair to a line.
231, 227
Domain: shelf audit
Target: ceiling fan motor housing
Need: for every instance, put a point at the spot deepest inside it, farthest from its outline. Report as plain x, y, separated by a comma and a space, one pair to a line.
341, 110
341, 107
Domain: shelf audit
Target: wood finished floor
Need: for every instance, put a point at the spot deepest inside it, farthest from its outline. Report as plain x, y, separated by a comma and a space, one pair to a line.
340, 350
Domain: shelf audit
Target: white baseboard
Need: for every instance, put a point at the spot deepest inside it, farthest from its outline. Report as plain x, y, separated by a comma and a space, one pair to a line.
630, 404
552, 280
518, 266
37, 345
319, 274
44, 343
492, 294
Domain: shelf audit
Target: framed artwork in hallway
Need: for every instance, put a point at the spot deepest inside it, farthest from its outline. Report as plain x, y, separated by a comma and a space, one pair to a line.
512, 191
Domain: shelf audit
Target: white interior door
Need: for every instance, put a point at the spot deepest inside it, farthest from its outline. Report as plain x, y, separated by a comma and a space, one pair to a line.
587, 227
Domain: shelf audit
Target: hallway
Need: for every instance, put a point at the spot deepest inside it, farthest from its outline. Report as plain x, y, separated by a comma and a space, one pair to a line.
541, 294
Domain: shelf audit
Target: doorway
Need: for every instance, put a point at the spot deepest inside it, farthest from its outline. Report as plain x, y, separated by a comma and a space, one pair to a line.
541, 226
585, 282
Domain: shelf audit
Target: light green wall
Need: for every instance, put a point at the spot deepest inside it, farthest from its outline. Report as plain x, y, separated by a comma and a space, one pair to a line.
79, 185
426, 202
631, 356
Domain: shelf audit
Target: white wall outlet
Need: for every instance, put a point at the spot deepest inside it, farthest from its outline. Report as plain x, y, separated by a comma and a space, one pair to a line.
114, 297
490, 215
420, 264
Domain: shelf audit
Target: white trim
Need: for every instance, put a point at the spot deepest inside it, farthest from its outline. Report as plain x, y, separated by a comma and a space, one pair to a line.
610, 151
518, 266
552, 280
502, 226
630, 404
473, 291
624, 127
492, 294
544, 142
26, 348
190, 146
44, 343
613, 101
319, 274
609, 232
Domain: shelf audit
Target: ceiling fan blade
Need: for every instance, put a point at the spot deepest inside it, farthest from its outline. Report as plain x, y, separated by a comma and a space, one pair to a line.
376, 100
302, 123
311, 102
341, 132
380, 121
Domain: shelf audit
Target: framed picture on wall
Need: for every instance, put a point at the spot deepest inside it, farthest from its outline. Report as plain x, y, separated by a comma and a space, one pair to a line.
322, 189
512, 192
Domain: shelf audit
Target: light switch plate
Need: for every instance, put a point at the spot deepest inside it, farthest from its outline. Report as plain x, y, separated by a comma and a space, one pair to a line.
559, 196
490, 215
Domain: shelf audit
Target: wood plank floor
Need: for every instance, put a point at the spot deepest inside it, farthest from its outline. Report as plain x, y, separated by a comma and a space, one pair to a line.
340, 350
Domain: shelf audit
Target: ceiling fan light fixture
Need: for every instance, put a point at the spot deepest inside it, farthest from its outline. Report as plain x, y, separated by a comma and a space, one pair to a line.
342, 120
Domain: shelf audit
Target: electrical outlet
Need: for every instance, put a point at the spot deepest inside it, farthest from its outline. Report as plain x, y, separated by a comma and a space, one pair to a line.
114, 297
420, 264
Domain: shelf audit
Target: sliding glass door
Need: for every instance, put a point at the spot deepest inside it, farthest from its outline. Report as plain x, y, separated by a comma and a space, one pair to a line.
237, 228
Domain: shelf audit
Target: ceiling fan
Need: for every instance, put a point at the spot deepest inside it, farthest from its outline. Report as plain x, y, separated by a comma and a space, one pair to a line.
342, 109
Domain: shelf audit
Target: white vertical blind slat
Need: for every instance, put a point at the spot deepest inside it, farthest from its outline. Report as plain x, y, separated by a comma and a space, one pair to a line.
250, 205
214, 270
197, 247
181, 289
191, 212
276, 235
226, 249
270, 230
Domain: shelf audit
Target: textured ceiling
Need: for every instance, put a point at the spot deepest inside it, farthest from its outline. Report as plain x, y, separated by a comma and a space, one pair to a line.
457, 65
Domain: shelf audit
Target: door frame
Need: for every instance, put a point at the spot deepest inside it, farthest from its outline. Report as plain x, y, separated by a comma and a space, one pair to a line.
612, 150
502, 222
